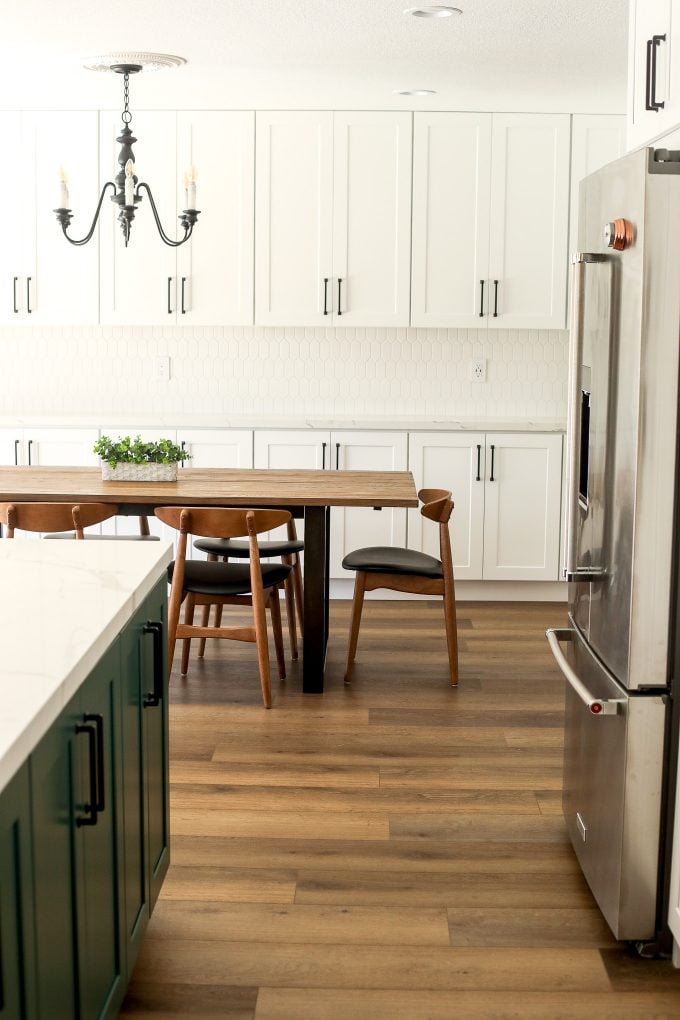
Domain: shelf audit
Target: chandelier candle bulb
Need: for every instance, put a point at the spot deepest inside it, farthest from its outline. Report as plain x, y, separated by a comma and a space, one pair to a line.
63, 189
192, 189
129, 183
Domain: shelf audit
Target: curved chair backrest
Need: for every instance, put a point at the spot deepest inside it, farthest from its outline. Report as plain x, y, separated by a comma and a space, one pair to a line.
214, 522
437, 504
54, 516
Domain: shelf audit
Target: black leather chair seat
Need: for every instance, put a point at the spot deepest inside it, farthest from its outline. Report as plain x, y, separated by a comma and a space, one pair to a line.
240, 550
205, 578
388, 560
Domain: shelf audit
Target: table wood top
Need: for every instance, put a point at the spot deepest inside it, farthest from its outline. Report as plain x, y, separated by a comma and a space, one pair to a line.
213, 487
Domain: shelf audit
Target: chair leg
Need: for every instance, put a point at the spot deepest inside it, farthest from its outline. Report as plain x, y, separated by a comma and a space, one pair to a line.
173, 619
451, 633
275, 610
357, 606
290, 612
144, 525
299, 593
205, 621
262, 642
188, 619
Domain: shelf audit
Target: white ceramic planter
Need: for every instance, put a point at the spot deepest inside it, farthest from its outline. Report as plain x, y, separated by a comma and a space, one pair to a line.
139, 472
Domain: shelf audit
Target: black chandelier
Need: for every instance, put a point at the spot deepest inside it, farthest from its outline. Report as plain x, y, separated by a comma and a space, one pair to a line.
126, 186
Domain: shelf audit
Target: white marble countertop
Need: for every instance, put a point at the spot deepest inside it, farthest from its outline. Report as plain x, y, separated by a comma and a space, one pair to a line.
61, 606
227, 421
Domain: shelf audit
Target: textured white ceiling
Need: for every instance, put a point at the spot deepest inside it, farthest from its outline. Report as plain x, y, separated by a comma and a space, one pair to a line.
501, 54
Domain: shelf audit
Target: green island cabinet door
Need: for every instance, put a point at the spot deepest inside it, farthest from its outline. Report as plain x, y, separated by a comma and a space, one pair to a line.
77, 859
145, 757
17, 960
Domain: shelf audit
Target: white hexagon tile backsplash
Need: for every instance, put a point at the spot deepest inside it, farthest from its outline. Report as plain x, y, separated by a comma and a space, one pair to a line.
271, 370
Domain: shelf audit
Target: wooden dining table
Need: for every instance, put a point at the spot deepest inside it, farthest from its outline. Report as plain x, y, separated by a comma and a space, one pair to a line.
307, 494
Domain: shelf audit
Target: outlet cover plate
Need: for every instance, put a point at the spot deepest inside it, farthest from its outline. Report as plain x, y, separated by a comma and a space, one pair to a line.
478, 370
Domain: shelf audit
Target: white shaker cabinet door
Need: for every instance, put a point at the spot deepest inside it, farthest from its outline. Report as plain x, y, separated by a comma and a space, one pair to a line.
371, 218
215, 268
138, 283
455, 461
217, 448
358, 527
58, 447
286, 449
451, 195
529, 221
653, 70
293, 218
596, 139
11, 447
522, 507
12, 260
64, 285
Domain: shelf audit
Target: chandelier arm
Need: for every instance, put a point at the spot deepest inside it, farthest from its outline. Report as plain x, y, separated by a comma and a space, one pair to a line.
164, 237
65, 220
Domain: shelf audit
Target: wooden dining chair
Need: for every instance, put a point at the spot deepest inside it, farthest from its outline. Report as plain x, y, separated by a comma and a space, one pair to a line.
58, 517
209, 583
287, 550
410, 571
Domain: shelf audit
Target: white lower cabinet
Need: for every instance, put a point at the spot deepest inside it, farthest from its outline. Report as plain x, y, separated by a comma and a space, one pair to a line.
351, 527
455, 461
507, 493
217, 448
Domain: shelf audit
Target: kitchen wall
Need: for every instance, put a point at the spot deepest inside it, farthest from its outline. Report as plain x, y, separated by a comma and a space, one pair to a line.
278, 371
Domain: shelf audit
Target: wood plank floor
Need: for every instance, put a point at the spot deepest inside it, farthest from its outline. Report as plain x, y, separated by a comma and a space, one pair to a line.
393, 850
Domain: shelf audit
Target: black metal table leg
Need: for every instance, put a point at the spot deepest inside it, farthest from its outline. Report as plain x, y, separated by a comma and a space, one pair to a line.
315, 635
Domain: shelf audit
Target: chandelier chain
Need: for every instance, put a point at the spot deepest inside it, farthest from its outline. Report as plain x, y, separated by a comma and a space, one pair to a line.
126, 115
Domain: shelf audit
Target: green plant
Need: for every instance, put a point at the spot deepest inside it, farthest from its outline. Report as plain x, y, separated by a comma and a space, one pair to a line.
125, 450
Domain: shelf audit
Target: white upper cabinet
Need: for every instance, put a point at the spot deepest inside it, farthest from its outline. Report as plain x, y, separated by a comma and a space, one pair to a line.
138, 282
332, 221
529, 221
293, 218
371, 218
208, 280
215, 268
653, 70
451, 192
490, 218
596, 139
43, 278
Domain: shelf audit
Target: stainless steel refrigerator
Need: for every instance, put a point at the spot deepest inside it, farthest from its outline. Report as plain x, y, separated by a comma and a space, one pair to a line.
617, 652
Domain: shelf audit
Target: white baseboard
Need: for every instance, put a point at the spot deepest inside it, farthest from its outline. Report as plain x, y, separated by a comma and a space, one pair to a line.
470, 591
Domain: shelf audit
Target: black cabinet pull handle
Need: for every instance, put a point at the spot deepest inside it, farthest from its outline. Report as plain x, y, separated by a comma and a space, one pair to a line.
90, 817
495, 299
28, 294
653, 104
323, 455
648, 77
30, 447
16, 452
337, 456
325, 295
339, 293
183, 446
169, 305
184, 280
156, 630
493, 457
16, 280
98, 721
479, 463
481, 299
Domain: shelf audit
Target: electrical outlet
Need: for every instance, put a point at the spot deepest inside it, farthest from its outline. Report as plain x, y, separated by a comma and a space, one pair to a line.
163, 368
478, 370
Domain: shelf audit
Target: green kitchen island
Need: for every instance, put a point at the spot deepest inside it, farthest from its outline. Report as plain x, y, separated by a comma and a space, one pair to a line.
84, 837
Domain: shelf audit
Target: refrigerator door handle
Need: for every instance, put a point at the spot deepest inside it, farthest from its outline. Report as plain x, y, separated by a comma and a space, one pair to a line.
572, 572
597, 706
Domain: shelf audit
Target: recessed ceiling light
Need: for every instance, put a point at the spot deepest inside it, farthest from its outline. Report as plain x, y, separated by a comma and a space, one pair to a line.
438, 11
415, 92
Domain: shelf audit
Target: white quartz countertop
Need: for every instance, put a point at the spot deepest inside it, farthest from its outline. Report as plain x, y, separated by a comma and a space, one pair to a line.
61, 606
403, 423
